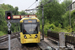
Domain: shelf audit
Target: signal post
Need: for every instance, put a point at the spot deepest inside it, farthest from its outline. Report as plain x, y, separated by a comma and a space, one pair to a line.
8, 16
9, 37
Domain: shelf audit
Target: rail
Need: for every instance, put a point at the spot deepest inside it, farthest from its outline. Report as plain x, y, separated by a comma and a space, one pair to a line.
5, 37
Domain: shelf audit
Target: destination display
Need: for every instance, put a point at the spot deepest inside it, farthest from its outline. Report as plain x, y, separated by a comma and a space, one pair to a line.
29, 21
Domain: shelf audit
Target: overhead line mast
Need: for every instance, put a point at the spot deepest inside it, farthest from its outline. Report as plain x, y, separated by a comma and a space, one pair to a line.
43, 16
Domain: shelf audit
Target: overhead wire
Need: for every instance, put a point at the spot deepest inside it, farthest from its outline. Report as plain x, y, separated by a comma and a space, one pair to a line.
31, 5
38, 6
45, 3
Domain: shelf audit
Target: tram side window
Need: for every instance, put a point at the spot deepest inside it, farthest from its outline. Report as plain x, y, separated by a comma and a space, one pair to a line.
21, 27
38, 27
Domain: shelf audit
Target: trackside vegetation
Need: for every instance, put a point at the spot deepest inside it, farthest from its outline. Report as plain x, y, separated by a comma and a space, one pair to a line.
3, 24
55, 15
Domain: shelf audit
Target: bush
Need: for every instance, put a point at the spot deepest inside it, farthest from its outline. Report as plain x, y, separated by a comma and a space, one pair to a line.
1, 33
47, 27
68, 28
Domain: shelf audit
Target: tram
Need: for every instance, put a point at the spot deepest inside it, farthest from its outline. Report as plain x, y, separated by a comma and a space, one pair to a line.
30, 30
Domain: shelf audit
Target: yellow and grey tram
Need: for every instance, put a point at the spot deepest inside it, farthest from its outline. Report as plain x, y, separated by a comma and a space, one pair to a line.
30, 32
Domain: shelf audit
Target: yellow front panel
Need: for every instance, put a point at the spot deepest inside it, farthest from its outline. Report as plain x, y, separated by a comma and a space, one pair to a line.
30, 38
30, 41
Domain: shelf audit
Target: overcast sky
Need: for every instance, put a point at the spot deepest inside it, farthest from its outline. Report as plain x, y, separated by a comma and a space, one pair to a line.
22, 4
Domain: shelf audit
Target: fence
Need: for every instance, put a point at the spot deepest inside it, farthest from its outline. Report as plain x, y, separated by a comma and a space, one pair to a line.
68, 38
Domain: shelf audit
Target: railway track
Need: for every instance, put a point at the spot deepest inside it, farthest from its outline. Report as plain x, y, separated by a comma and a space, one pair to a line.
25, 47
5, 37
31, 46
40, 46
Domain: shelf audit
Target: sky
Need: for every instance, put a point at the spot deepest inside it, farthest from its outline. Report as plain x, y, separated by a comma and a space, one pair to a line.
22, 4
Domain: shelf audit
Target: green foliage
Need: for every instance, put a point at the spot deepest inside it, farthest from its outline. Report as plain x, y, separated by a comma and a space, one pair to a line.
66, 21
3, 23
56, 17
22, 13
67, 2
68, 28
73, 20
48, 26
65, 18
52, 12
2, 33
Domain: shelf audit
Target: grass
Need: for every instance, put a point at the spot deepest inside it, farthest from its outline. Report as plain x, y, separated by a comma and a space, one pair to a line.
1, 33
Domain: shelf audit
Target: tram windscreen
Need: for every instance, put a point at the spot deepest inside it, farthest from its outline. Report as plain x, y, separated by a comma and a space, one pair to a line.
30, 29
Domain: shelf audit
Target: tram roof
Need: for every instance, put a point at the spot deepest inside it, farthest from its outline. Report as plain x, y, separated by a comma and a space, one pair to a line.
27, 18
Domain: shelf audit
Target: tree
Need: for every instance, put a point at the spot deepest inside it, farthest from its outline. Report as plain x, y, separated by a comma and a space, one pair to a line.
55, 13
22, 13
66, 3
16, 11
52, 12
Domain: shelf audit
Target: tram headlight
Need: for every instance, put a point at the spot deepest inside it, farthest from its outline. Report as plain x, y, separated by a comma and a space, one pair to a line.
36, 36
25, 37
